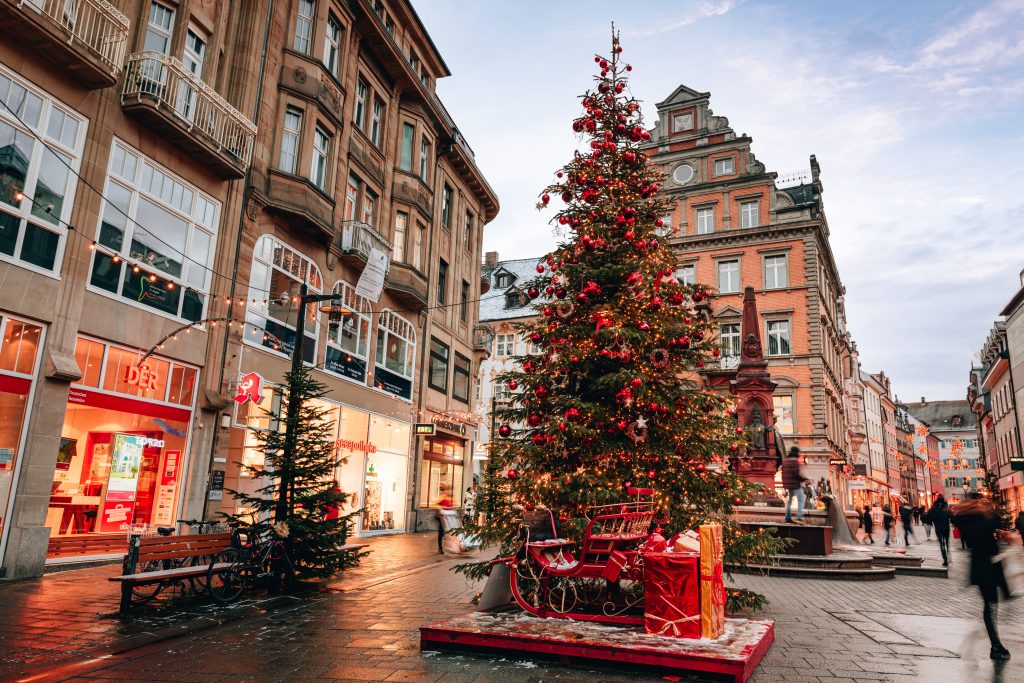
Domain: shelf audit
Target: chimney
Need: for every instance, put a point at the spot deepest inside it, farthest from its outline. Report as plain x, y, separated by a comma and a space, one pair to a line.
490, 259
922, 400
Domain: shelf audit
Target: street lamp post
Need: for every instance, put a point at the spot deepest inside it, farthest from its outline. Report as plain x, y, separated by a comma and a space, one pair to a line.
292, 423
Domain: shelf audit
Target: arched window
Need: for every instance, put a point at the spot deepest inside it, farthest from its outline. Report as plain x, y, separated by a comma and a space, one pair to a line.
278, 272
348, 346
396, 354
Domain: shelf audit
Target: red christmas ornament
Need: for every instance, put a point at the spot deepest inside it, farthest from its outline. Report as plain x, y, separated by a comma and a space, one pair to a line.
504, 431
511, 474
534, 419
513, 385
540, 268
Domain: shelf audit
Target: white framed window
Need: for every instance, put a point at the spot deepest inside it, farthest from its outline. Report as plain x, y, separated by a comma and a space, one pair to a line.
193, 56
785, 417
377, 121
417, 247
348, 346
396, 353
405, 159
159, 28
446, 207
321, 153
401, 227
362, 90
352, 190
728, 276
729, 339
467, 236
778, 338
505, 345
37, 197
687, 274
304, 26
424, 160
776, 271
290, 139
705, 220
750, 214
370, 207
724, 166
278, 272
156, 237
332, 45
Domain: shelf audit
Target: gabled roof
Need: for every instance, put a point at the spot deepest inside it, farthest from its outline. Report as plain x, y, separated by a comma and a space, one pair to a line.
939, 415
492, 305
683, 94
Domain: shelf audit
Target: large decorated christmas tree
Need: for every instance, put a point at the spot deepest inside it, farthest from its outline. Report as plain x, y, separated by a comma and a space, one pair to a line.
611, 398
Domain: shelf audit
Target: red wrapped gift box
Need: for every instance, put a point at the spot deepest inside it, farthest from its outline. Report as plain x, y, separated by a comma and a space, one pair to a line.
672, 594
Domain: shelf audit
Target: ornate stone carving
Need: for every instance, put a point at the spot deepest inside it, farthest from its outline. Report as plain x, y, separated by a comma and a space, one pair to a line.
252, 208
754, 166
752, 346
782, 199
329, 95
299, 74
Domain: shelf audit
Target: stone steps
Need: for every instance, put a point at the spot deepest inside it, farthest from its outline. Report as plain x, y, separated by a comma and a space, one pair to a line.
796, 570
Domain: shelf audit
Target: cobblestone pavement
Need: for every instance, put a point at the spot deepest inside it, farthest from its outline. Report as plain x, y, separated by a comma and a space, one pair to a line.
366, 629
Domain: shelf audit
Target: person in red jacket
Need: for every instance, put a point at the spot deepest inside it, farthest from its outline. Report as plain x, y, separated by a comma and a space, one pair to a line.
793, 481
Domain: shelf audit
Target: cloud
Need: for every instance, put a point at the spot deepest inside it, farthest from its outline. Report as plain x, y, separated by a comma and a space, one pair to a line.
701, 10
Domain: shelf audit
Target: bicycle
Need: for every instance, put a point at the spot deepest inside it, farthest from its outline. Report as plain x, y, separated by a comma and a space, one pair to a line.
198, 584
261, 558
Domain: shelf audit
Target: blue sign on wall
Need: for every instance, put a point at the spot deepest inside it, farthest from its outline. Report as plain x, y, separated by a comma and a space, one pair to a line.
392, 383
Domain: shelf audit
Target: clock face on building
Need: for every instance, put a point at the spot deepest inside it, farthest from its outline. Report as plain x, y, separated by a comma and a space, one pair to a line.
683, 174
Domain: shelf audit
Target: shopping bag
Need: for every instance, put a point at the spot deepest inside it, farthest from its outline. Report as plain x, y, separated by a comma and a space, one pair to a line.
1012, 562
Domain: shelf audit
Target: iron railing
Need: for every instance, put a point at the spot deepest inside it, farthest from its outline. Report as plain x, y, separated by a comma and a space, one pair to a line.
360, 238
95, 24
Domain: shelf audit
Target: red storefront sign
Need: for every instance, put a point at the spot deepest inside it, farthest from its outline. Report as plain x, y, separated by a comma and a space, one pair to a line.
123, 404
142, 376
250, 388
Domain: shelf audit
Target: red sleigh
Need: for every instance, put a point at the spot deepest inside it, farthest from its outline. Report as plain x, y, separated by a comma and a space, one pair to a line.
603, 581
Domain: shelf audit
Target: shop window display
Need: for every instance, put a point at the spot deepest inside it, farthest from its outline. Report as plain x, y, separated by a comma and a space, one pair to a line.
19, 354
441, 473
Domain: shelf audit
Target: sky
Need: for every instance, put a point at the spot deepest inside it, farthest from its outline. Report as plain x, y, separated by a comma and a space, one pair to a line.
914, 109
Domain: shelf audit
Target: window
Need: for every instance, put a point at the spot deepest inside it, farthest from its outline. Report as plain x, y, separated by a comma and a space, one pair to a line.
438, 375
158, 30
778, 338
514, 298
705, 220
414, 62
192, 59
505, 345
728, 276
446, 208
332, 45
304, 26
724, 166
749, 214
424, 160
467, 238
32, 224
408, 133
376, 121
348, 345
290, 139
503, 280
321, 152
361, 93
441, 472
442, 281
460, 377
464, 302
389, 25
278, 272
396, 353
369, 207
417, 247
730, 339
401, 225
785, 418
152, 220
352, 189
776, 272
686, 275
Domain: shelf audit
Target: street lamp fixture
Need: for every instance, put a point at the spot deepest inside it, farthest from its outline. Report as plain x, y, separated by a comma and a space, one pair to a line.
335, 312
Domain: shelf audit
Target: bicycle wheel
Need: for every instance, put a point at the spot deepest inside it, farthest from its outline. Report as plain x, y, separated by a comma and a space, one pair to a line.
279, 571
227, 583
146, 592
200, 584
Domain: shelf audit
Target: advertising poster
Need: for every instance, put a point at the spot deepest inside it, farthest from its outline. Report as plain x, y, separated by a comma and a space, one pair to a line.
125, 462
164, 510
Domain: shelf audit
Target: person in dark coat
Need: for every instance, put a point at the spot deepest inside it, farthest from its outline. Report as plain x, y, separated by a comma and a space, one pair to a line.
907, 517
869, 524
1019, 523
793, 481
939, 515
978, 526
887, 522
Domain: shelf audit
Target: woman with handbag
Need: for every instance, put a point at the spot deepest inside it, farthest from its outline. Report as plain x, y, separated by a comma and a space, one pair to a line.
978, 526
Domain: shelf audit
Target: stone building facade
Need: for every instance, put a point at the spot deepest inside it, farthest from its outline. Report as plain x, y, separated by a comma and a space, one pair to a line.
733, 224
955, 426
171, 177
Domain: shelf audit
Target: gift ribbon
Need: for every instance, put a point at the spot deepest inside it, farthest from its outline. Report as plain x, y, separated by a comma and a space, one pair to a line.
717, 581
673, 624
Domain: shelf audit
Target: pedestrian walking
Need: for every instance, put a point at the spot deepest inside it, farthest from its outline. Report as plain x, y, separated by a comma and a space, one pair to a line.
793, 481
939, 514
1019, 523
926, 520
868, 523
978, 526
907, 517
442, 502
887, 522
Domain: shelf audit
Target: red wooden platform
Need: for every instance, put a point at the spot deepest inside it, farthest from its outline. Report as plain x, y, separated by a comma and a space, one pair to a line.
736, 654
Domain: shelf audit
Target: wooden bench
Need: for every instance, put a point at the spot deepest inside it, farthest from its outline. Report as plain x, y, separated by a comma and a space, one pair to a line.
147, 553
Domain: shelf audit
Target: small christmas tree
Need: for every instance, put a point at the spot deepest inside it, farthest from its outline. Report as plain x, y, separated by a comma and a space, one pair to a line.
310, 506
612, 399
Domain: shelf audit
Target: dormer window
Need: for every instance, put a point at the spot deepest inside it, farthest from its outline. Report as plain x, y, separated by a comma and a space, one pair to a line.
956, 420
503, 280
513, 299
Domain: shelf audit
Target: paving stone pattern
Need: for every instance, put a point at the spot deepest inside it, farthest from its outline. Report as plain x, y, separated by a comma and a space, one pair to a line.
366, 629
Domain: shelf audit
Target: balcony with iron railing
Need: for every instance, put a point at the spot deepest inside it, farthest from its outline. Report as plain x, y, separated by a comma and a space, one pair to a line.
483, 339
86, 37
358, 239
164, 93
